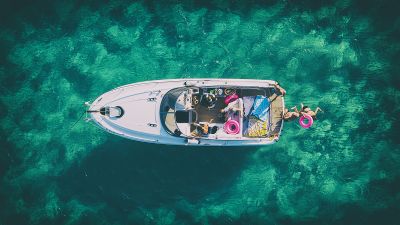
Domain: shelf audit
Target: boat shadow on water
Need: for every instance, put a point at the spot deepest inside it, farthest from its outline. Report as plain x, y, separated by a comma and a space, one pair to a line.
125, 174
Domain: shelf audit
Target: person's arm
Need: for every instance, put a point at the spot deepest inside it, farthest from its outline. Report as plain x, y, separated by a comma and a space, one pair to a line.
196, 124
318, 109
295, 108
230, 106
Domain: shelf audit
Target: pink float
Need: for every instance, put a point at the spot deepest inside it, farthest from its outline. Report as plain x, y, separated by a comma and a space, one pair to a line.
232, 127
230, 98
306, 125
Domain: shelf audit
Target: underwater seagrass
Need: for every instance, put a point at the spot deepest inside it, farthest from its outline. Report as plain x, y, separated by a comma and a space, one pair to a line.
340, 55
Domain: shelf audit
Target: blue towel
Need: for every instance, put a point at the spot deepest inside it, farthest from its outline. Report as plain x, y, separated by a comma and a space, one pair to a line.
261, 107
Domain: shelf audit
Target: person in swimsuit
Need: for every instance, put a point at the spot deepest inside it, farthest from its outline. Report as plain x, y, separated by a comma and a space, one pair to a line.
202, 129
289, 116
235, 106
307, 110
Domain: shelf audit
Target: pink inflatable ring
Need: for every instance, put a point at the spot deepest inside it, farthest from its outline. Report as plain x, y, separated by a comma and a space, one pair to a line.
306, 117
232, 127
230, 98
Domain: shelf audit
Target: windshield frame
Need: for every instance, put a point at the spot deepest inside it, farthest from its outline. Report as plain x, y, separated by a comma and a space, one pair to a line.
168, 110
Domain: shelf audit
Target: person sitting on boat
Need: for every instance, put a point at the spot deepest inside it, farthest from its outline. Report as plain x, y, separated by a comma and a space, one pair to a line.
208, 100
235, 106
203, 129
280, 89
307, 110
200, 129
289, 116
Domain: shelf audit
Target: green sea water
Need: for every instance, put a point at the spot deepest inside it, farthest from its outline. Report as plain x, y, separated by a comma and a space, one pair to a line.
343, 56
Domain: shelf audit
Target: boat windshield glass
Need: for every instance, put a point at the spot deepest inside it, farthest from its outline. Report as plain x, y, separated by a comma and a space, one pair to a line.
167, 111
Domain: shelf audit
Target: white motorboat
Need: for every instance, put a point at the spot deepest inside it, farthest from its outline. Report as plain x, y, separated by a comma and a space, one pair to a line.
212, 112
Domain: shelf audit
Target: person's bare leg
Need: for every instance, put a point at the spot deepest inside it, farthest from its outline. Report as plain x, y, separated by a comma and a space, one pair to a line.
198, 125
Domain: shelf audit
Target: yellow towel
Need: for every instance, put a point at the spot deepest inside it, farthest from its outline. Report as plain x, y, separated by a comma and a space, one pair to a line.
257, 127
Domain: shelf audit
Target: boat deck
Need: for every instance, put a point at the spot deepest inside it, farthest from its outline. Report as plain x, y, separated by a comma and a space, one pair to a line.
276, 113
205, 114
275, 121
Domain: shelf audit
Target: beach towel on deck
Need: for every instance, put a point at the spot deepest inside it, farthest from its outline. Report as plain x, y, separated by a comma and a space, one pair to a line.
248, 102
255, 127
261, 107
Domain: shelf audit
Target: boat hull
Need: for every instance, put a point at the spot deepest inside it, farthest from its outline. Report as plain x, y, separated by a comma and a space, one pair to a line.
141, 103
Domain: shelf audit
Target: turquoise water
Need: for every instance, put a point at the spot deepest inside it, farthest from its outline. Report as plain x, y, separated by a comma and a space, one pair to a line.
340, 55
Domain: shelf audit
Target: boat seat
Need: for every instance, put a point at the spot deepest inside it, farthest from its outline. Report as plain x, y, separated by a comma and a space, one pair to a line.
185, 116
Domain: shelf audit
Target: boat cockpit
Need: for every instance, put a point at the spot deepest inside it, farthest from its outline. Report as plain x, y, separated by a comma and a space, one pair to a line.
217, 112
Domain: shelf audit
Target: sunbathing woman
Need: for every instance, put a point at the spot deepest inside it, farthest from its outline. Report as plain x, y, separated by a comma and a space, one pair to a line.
235, 106
289, 116
203, 129
307, 110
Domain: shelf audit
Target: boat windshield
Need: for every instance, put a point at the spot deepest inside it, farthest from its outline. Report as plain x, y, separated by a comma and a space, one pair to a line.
168, 109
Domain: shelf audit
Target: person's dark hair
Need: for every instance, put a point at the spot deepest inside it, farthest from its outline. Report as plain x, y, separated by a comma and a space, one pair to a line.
304, 107
213, 130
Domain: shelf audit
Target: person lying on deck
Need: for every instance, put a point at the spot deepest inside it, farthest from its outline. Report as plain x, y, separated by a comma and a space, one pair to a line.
234, 106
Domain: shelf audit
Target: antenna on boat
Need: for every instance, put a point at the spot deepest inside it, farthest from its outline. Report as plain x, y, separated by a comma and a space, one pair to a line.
87, 104
80, 117
76, 122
